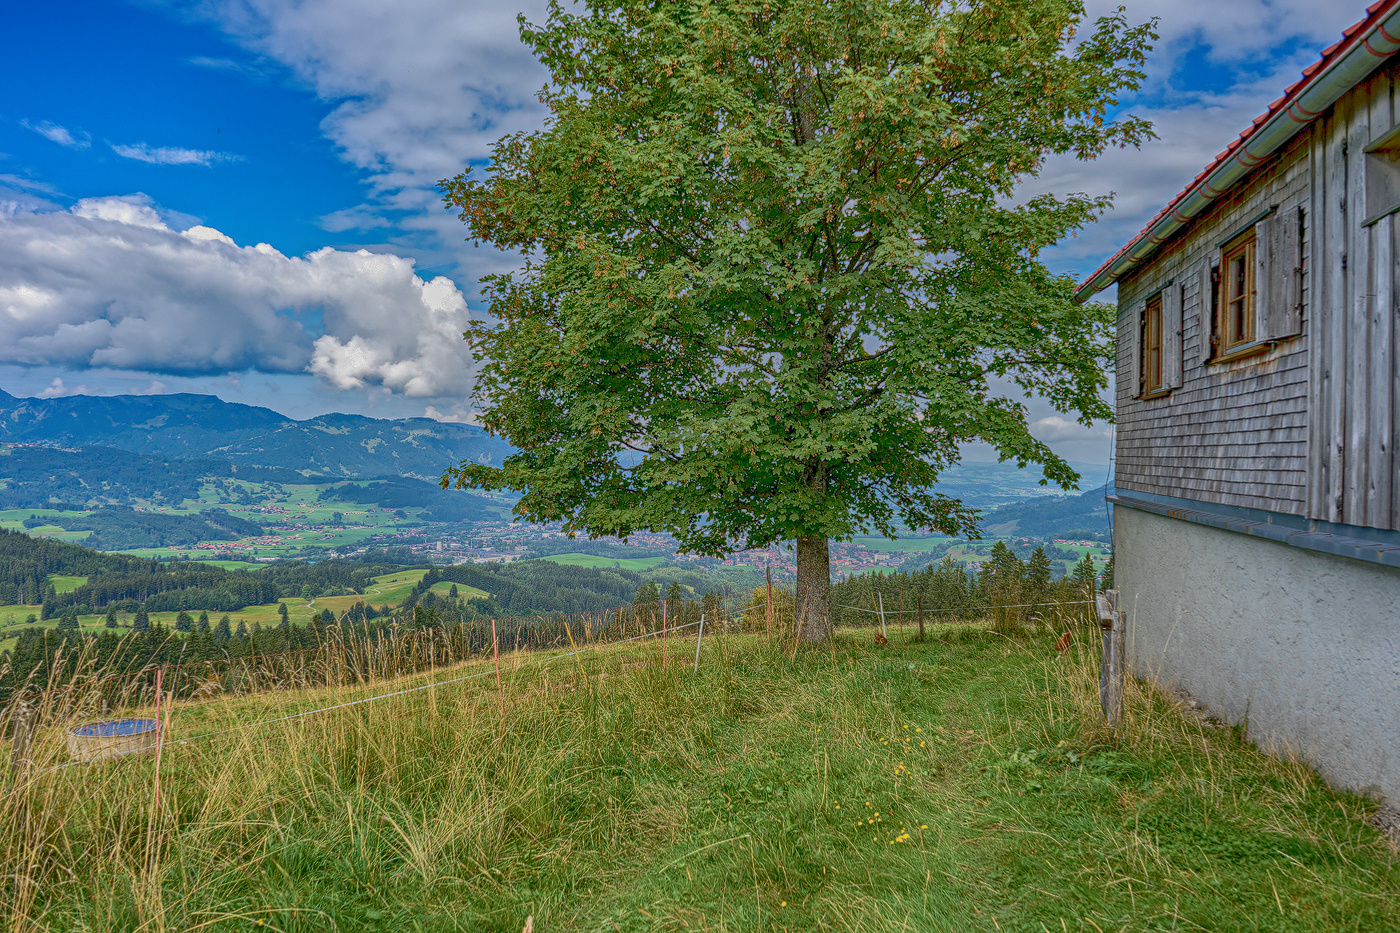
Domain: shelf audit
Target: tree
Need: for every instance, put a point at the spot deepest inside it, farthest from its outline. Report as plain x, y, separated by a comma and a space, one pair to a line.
224, 630
69, 621
141, 622
452, 593
184, 622
242, 630
777, 268
203, 624
1085, 573
111, 621
1106, 581
1038, 570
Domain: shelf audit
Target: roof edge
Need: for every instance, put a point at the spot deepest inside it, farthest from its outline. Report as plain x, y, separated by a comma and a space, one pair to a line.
1341, 67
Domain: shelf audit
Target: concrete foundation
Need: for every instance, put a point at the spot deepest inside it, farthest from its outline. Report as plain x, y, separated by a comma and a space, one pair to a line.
1301, 647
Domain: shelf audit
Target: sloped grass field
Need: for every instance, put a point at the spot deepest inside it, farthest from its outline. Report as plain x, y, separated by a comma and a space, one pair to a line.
961, 784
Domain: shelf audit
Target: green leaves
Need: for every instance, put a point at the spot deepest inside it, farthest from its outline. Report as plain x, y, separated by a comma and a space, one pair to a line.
777, 272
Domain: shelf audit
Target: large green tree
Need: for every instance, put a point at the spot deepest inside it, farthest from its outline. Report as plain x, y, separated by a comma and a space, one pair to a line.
777, 267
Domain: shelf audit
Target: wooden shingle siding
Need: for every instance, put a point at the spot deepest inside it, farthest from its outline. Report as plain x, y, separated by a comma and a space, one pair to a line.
1309, 426
1232, 433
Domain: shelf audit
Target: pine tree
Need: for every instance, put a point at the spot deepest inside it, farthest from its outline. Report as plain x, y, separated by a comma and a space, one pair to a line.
282, 615
242, 631
69, 621
1106, 581
204, 623
184, 622
111, 616
1005, 566
224, 630
1038, 570
142, 622
1085, 574
453, 592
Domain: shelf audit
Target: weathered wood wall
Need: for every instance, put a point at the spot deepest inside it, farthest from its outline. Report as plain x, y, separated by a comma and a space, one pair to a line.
1308, 427
1355, 382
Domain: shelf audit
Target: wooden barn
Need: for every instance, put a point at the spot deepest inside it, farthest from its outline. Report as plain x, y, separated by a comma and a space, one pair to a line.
1257, 503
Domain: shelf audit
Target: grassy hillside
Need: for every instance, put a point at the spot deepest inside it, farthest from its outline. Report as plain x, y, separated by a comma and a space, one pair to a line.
961, 784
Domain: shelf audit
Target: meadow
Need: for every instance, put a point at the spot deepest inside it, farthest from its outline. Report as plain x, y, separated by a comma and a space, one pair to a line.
962, 783
389, 589
598, 560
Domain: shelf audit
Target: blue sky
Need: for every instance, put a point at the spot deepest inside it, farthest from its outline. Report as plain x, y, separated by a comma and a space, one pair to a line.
148, 148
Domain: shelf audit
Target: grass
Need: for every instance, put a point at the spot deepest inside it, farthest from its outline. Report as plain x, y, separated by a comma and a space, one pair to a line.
463, 591
65, 584
597, 560
966, 783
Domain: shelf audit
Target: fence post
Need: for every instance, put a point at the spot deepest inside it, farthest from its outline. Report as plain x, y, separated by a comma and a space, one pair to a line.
699, 636
23, 721
1111, 670
768, 603
496, 654
881, 602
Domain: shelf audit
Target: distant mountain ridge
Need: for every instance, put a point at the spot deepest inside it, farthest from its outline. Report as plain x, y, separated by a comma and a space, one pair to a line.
1050, 517
187, 426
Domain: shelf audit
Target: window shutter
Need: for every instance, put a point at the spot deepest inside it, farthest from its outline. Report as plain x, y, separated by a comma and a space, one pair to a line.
1205, 306
1135, 346
1279, 274
1171, 336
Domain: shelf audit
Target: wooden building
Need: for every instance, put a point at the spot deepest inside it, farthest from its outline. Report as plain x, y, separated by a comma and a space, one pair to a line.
1257, 502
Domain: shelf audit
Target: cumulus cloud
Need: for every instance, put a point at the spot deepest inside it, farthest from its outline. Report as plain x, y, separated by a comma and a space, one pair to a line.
419, 88
1059, 428
59, 134
57, 389
110, 284
172, 155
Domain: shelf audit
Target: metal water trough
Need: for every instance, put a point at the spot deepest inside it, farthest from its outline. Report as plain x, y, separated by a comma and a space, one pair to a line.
113, 738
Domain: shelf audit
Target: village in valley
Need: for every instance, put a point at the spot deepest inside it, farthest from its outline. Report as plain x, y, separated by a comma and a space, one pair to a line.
744, 465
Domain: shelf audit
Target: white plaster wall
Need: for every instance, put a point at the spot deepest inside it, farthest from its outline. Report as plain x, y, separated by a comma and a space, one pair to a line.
1304, 645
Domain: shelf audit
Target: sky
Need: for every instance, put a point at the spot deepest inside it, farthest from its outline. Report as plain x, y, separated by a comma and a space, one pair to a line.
237, 197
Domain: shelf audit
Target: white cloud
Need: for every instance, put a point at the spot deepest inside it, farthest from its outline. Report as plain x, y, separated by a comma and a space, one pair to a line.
170, 155
57, 389
1059, 428
59, 134
109, 284
458, 415
419, 88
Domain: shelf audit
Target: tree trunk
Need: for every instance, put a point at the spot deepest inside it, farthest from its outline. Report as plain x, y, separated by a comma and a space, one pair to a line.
813, 589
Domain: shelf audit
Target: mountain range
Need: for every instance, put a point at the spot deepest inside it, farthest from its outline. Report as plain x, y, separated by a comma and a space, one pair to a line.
185, 426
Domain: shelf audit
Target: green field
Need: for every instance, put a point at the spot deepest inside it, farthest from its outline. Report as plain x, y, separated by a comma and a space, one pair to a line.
389, 589
916, 544
463, 591
595, 560
64, 584
963, 784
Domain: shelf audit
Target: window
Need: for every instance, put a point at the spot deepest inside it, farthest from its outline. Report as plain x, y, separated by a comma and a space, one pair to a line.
1150, 366
1383, 177
1235, 311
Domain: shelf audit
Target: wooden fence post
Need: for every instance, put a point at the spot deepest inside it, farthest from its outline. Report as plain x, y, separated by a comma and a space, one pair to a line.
20, 748
697, 642
1111, 671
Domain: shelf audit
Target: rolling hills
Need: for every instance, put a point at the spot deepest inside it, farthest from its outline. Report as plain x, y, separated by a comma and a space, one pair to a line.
192, 427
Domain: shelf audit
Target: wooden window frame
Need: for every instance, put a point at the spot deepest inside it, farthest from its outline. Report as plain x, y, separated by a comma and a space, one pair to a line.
1151, 369
1236, 312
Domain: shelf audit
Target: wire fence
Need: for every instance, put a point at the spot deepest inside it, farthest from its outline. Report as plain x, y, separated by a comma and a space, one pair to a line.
663, 632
